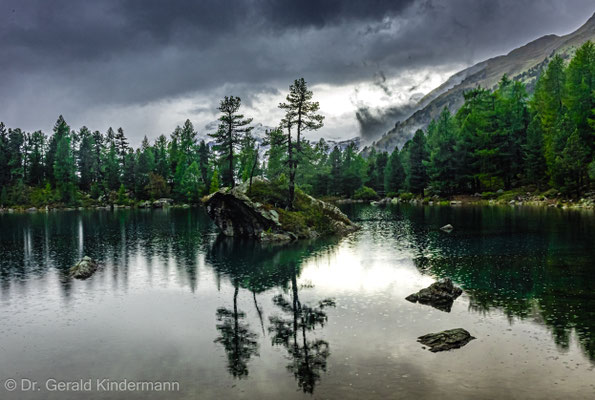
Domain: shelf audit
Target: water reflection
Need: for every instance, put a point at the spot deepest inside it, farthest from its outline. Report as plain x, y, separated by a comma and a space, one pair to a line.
267, 306
259, 267
529, 263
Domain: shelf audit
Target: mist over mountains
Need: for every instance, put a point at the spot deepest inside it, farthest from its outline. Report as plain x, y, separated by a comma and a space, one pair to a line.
522, 64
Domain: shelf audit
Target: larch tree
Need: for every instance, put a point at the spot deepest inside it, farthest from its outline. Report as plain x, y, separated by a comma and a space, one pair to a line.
232, 126
302, 113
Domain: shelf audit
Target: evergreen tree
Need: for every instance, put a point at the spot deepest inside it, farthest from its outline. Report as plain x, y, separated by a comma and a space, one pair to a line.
111, 168
86, 159
4, 157
394, 174
192, 184
36, 158
64, 170
276, 154
232, 126
214, 182
161, 157
441, 165
61, 129
533, 154
145, 164
301, 112
417, 179
16, 140
203, 162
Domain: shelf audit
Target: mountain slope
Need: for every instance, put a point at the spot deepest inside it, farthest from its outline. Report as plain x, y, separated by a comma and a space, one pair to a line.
524, 64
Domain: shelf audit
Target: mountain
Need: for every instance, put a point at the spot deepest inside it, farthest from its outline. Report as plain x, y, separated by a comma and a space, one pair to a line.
524, 64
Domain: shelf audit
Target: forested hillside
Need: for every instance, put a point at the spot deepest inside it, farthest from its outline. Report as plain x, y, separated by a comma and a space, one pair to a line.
497, 140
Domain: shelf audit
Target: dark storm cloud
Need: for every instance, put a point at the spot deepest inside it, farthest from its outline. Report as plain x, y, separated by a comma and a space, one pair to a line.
68, 56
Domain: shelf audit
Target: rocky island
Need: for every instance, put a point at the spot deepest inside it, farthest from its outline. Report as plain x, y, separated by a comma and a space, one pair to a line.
260, 211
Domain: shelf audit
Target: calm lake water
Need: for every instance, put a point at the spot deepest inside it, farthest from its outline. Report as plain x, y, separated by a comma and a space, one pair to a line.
173, 301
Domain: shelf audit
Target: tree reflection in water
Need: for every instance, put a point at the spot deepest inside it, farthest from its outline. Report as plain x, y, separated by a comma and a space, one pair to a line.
239, 342
308, 357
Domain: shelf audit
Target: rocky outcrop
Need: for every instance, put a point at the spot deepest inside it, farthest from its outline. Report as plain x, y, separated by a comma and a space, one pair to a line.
237, 215
446, 340
84, 268
439, 295
163, 202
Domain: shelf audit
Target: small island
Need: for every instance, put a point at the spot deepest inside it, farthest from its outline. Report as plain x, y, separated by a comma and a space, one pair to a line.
261, 211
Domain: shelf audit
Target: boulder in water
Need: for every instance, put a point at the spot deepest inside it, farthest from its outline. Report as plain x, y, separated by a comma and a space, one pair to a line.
447, 228
446, 340
439, 295
84, 268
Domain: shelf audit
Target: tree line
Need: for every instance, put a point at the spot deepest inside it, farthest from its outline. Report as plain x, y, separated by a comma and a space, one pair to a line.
498, 139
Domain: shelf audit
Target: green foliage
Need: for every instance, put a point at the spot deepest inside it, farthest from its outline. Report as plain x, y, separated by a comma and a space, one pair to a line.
214, 182
394, 174
365, 193
192, 184
122, 196
227, 138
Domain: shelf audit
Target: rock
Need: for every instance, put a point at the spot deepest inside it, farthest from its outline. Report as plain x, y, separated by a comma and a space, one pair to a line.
237, 215
447, 228
500, 191
144, 204
84, 268
446, 340
439, 295
163, 202
32, 209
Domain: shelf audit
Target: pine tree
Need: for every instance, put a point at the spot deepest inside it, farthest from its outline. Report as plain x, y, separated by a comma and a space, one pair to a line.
533, 154
86, 159
16, 140
161, 157
203, 162
214, 182
192, 184
441, 165
36, 158
111, 168
144, 165
417, 179
231, 128
574, 161
64, 170
4, 157
394, 174
276, 153
301, 112
61, 129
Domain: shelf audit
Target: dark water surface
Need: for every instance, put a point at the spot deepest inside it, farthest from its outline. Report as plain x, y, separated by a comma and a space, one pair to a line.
227, 318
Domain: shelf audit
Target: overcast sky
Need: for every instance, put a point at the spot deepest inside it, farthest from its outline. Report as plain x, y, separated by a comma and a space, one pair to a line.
148, 65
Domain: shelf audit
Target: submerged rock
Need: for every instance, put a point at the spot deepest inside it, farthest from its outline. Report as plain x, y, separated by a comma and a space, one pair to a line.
236, 214
439, 295
84, 268
446, 340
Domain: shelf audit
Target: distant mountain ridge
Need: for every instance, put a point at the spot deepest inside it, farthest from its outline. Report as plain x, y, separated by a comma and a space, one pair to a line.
524, 64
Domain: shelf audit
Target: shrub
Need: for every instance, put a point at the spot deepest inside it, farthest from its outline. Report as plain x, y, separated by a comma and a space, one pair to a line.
488, 195
365, 193
406, 196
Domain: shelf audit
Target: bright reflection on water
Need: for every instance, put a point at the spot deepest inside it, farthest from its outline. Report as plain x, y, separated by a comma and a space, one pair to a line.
227, 318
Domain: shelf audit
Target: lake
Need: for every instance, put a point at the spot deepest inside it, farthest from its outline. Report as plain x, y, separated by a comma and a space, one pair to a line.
175, 302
